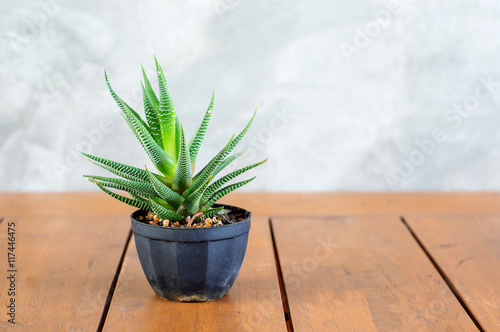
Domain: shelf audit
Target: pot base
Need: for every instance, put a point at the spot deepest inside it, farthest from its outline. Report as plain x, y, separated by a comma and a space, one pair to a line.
192, 298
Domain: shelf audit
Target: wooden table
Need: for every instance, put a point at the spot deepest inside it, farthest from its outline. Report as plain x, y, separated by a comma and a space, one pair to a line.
315, 262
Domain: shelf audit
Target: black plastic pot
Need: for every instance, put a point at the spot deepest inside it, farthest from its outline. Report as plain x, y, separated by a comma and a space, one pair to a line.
191, 264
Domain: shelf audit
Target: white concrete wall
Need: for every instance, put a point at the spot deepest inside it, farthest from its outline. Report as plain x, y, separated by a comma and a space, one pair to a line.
352, 95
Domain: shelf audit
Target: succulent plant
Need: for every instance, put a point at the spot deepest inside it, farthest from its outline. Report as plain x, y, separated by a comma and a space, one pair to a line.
175, 193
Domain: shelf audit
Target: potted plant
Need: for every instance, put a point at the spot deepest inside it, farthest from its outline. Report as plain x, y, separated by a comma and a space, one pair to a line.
190, 248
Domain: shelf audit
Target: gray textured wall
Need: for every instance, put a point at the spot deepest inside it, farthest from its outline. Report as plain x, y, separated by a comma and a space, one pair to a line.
352, 95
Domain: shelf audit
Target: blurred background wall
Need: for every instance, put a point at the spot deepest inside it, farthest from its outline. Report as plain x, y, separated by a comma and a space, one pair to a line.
351, 95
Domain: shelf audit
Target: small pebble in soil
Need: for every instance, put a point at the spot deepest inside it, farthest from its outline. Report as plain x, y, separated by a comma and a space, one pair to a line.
166, 223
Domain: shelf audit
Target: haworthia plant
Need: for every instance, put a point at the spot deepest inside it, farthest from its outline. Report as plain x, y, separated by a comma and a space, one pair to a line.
175, 192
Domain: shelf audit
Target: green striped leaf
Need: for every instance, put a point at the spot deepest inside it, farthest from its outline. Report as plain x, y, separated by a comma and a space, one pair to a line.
163, 162
170, 196
178, 129
206, 172
166, 115
164, 213
149, 90
125, 171
122, 105
142, 188
135, 203
221, 166
212, 212
240, 135
225, 179
223, 192
226, 162
182, 178
138, 198
117, 186
161, 201
200, 133
152, 117
192, 202
228, 149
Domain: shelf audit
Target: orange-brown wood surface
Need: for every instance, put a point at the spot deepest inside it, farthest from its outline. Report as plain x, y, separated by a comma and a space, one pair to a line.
254, 301
369, 273
65, 265
467, 249
275, 204
362, 274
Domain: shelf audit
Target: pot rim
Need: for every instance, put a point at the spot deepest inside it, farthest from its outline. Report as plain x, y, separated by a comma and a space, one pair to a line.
248, 217
201, 234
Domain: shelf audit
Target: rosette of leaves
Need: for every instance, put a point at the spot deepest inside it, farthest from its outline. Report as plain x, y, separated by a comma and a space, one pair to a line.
175, 192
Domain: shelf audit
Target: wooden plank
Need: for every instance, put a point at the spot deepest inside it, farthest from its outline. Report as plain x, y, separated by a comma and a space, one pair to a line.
281, 204
65, 265
253, 302
362, 274
467, 249
60, 204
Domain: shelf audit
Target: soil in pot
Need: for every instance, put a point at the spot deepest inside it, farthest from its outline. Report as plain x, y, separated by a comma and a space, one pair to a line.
227, 218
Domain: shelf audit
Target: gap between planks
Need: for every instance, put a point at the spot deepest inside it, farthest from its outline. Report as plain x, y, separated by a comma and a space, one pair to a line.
441, 272
112, 288
279, 272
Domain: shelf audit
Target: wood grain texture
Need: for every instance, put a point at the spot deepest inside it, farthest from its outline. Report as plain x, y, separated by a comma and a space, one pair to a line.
278, 204
65, 264
90, 204
253, 302
467, 249
362, 274
69, 245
